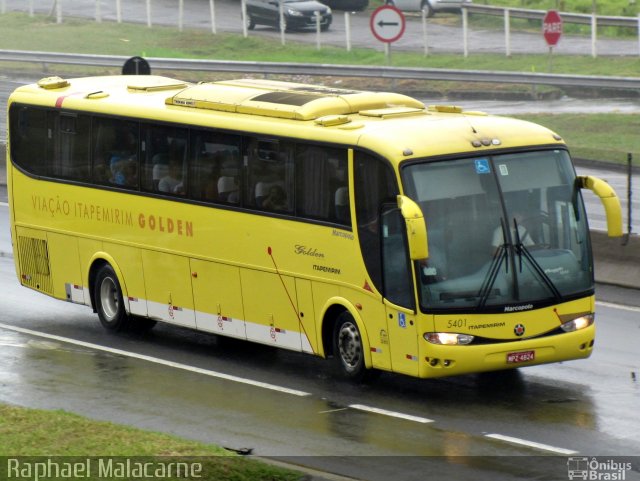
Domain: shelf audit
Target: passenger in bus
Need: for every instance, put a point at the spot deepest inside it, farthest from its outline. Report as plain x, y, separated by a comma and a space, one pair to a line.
118, 167
276, 199
172, 182
160, 168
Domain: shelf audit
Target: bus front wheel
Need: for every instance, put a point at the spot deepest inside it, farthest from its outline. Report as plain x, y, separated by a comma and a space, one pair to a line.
348, 350
109, 301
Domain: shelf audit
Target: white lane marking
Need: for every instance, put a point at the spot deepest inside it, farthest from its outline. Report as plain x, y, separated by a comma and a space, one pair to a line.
531, 444
332, 410
622, 307
176, 365
4, 204
393, 414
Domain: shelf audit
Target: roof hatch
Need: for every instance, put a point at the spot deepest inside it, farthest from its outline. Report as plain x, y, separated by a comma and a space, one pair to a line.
52, 83
152, 83
286, 100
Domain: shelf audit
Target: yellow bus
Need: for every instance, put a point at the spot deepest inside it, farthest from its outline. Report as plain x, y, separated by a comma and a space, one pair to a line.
297, 216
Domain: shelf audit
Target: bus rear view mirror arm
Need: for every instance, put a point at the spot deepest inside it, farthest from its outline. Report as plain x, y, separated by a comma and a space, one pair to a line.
416, 228
609, 200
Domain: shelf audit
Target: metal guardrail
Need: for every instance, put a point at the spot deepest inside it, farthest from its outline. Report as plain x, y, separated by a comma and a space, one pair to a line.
274, 68
580, 18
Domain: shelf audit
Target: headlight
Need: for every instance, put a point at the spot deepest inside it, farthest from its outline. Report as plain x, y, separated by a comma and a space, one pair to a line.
294, 13
448, 338
327, 11
578, 323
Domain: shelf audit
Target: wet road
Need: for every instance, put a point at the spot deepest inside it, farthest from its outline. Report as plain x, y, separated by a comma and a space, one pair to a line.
55, 355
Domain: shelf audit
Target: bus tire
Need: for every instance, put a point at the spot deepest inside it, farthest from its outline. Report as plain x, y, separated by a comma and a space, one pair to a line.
109, 300
348, 350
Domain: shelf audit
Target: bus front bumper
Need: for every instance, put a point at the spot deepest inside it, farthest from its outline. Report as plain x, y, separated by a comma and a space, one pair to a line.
440, 361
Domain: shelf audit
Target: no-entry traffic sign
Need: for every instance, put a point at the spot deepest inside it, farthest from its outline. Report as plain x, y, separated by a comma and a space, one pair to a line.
552, 27
387, 23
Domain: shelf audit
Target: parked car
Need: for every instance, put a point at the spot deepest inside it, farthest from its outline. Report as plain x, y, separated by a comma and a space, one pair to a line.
429, 6
347, 5
297, 14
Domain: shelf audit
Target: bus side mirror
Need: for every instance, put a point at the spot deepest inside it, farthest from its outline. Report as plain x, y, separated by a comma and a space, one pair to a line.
609, 200
416, 228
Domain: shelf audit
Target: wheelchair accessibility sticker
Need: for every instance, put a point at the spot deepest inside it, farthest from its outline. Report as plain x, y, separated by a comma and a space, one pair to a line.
482, 166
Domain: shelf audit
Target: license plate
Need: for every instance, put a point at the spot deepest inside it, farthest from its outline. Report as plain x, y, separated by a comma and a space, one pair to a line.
523, 356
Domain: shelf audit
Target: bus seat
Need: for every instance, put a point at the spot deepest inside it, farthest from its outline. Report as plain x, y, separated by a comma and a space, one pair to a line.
160, 168
228, 189
262, 191
342, 205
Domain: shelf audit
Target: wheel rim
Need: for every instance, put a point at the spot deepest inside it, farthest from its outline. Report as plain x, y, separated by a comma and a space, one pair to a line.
109, 298
350, 346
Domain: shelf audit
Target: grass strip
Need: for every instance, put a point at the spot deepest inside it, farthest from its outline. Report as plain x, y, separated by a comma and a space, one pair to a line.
32, 435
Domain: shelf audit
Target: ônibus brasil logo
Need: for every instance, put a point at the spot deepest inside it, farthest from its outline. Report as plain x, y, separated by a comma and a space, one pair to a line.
581, 467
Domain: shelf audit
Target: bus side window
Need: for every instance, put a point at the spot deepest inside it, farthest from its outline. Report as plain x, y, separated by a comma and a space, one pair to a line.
270, 176
30, 138
395, 258
375, 184
321, 181
72, 153
214, 167
115, 152
164, 159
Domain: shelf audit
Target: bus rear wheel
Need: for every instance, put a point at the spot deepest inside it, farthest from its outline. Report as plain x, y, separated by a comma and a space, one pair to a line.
348, 350
109, 301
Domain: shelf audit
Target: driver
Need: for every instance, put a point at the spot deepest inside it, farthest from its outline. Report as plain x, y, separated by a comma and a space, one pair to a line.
524, 234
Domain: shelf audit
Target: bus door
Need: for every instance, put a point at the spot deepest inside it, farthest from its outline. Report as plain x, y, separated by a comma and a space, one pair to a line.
398, 292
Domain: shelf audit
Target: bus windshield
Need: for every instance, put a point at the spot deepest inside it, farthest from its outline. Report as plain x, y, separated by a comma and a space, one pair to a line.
503, 231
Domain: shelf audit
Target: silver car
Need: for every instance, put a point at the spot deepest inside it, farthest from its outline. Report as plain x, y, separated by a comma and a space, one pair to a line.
429, 6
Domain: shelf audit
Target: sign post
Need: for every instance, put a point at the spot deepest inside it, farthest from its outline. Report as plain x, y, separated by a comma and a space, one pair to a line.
552, 31
387, 24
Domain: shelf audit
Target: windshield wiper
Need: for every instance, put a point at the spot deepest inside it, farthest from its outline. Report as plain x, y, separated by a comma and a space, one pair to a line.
494, 268
520, 250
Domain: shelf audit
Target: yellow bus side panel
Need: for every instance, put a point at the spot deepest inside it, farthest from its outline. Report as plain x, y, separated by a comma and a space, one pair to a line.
403, 340
373, 316
270, 308
370, 317
217, 297
87, 249
129, 262
307, 314
167, 280
65, 267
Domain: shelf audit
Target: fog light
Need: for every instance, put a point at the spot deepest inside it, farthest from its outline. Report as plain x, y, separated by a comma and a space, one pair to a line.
448, 338
578, 323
